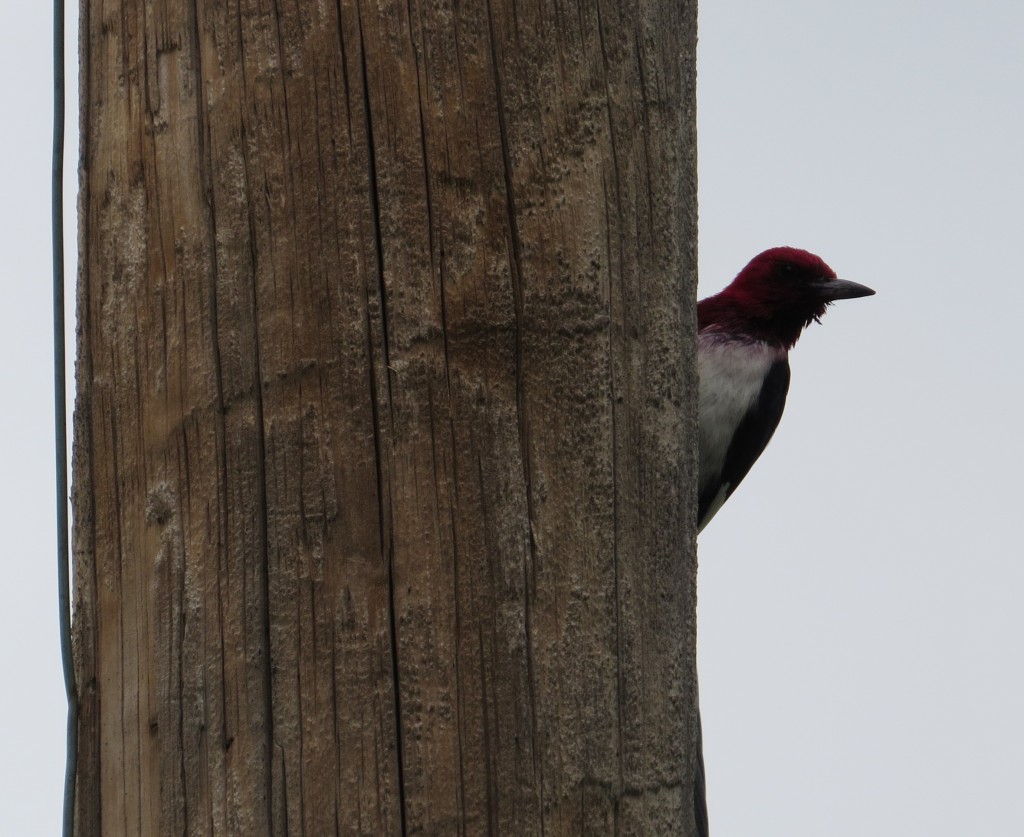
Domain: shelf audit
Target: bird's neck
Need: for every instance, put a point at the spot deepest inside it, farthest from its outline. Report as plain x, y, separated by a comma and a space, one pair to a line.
751, 321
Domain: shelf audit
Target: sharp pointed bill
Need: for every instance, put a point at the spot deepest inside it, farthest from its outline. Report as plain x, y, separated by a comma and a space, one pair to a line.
832, 290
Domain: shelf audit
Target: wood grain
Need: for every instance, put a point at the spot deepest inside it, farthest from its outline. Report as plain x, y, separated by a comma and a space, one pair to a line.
384, 442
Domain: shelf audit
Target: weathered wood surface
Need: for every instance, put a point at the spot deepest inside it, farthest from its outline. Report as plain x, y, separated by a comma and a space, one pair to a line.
384, 439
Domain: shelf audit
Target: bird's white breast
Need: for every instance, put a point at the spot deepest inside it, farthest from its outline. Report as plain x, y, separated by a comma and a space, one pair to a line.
732, 374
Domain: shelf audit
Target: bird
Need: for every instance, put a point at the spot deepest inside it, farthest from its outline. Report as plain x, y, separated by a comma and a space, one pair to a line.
744, 334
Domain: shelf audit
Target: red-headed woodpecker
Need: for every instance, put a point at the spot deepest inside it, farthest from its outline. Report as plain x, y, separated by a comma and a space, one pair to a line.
744, 335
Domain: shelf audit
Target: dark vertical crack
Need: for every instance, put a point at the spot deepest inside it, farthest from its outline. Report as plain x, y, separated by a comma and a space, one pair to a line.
85, 630
184, 504
437, 266
344, 71
515, 267
335, 733
261, 470
489, 755
619, 649
451, 522
115, 466
206, 174
261, 478
386, 541
261, 460
645, 111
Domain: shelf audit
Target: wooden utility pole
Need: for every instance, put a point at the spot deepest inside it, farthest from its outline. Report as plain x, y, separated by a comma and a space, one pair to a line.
384, 447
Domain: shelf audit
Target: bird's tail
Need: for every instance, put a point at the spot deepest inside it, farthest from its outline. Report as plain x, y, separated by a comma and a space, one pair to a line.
700, 800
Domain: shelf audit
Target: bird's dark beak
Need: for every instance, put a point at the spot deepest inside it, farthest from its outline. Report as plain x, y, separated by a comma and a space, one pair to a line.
833, 289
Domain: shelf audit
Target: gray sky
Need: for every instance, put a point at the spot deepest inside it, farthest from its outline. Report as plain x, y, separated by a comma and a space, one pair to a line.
860, 616
860, 594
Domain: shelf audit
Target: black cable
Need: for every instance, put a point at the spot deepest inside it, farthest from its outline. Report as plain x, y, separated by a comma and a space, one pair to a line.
60, 417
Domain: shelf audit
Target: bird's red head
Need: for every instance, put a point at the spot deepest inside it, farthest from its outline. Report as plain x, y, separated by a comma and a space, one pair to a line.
778, 294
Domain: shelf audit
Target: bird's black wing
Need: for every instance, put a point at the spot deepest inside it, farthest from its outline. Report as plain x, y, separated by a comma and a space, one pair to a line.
751, 437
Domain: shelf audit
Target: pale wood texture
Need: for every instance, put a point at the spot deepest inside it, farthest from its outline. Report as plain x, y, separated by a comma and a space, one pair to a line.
384, 450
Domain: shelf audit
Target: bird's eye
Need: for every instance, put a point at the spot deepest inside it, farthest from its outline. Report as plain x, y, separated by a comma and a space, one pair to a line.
787, 269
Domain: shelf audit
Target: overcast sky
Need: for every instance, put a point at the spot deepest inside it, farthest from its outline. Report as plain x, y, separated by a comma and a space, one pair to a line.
860, 595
